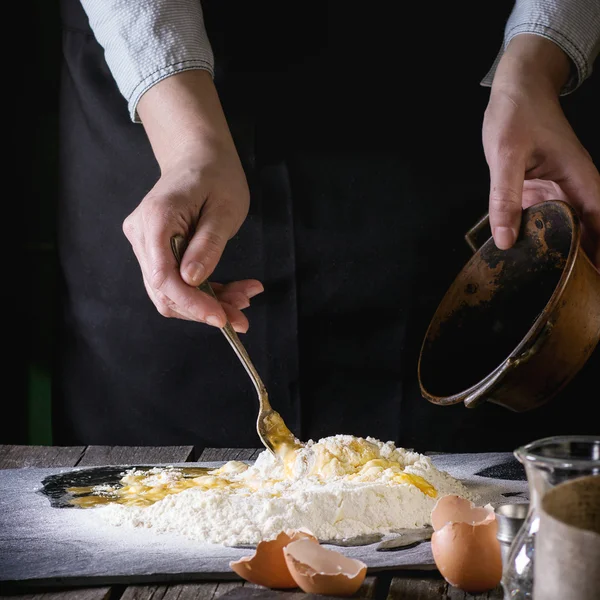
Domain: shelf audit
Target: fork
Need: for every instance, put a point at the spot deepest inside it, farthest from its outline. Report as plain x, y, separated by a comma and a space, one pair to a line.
271, 429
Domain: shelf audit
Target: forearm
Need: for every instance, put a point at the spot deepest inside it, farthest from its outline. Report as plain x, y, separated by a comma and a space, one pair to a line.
146, 41
571, 25
532, 62
182, 115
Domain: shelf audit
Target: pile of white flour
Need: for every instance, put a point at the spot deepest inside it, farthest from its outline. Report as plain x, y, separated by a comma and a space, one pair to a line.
339, 487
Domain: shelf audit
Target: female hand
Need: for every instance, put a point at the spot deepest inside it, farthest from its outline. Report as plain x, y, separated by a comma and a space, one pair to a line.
532, 152
202, 194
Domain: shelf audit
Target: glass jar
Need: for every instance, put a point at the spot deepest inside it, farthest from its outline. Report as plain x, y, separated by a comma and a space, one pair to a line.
547, 463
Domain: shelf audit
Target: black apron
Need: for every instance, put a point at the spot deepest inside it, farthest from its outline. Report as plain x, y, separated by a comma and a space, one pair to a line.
360, 133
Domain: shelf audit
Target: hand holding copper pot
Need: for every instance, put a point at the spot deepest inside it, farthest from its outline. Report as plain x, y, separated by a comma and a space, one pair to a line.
516, 325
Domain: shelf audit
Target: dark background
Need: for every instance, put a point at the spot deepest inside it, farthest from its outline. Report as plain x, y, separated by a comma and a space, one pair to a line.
30, 225
34, 28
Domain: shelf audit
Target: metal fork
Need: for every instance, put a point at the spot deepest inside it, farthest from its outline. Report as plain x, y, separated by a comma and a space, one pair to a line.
271, 428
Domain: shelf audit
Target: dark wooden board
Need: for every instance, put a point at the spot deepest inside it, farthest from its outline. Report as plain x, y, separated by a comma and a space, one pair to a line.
214, 454
132, 455
16, 457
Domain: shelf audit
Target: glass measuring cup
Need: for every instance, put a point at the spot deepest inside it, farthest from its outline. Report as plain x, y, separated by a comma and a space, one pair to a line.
548, 462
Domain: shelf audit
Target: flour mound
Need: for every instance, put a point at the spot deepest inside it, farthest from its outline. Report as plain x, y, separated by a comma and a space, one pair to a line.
339, 487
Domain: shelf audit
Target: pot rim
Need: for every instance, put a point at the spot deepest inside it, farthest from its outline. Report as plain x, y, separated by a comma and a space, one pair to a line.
538, 325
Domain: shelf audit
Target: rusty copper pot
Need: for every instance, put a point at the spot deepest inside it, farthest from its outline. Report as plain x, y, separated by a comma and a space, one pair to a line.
516, 325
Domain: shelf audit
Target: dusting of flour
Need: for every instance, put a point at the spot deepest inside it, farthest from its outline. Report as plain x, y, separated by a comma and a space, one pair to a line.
339, 487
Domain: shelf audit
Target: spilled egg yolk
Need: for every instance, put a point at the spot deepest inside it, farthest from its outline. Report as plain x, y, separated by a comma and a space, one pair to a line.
418, 482
359, 461
143, 488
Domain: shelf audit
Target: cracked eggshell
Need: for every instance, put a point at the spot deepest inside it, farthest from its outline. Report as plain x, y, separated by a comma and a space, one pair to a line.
267, 566
318, 570
464, 544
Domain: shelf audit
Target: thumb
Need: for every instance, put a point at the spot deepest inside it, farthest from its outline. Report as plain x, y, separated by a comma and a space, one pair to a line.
215, 226
505, 201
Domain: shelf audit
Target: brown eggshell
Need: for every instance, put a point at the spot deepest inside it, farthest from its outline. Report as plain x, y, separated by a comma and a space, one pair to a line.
267, 566
318, 570
464, 544
454, 509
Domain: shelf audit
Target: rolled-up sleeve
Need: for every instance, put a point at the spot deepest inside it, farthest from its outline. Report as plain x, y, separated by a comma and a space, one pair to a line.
145, 41
574, 25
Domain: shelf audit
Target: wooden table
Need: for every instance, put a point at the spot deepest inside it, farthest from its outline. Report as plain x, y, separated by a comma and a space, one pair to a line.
399, 585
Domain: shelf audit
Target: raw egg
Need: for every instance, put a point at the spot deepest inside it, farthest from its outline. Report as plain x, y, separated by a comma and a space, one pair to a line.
267, 566
464, 544
317, 570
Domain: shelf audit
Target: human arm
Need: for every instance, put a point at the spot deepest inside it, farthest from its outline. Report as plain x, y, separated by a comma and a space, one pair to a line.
202, 192
160, 57
532, 152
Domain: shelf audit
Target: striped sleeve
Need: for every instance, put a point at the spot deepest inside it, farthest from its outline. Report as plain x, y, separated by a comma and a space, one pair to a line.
145, 41
574, 25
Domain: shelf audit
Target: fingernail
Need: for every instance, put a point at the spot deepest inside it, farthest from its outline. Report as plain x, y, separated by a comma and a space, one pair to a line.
505, 237
214, 321
254, 291
195, 273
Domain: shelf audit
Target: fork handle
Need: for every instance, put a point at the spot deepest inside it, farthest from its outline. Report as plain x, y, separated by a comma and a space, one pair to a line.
232, 337
178, 246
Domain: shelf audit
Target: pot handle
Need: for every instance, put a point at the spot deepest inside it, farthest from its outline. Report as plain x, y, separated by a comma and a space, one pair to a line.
474, 236
477, 397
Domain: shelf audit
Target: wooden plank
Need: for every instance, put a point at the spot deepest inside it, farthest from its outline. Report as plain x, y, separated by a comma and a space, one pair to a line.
456, 594
252, 591
416, 587
134, 455
223, 587
244, 593
218, 454
186, 591
192, 591
371, 585
15, 457
71, 594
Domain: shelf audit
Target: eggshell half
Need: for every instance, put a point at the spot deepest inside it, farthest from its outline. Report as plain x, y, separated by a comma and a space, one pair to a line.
318, 570
267, 566
453, 509
464, 544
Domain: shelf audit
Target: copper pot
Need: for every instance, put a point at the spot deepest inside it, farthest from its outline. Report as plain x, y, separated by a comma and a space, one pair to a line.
516, 325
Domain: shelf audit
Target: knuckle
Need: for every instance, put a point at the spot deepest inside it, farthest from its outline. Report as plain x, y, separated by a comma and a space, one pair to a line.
163, 306
129, 227
158, 276
212, 243
235, 299
168, 213
504, 200
233, 211
161, 211
187, 306
241, 218
240, 300
505, 144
